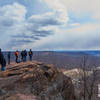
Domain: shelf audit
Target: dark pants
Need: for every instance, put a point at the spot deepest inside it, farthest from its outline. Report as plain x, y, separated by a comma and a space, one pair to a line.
24, 59
3, 68
30, 57
16, 59
8, 60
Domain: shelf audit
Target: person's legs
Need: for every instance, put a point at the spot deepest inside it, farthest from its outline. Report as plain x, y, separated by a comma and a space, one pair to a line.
16, 59
3, 68
22, 58
25, 58
31, 58
8, 60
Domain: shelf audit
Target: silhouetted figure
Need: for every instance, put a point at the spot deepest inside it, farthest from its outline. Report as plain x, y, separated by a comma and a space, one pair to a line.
22, 55
25, 55
9, 57
2, 61
16, 55
30, 54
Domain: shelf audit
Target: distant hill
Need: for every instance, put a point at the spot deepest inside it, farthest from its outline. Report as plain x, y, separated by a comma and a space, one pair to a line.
66, 59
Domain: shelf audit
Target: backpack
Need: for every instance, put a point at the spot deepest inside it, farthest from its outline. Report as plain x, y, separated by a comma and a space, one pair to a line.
30, 52
16, 53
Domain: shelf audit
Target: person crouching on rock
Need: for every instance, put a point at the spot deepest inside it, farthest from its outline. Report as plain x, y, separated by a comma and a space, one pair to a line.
16, 55
2, 61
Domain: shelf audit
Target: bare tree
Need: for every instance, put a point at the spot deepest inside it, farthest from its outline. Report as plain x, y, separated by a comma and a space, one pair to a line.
88, 80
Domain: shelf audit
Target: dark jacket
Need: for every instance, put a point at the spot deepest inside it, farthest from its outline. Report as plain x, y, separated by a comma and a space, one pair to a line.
25, 53
2, 59
30, 53
9, 55
22, 54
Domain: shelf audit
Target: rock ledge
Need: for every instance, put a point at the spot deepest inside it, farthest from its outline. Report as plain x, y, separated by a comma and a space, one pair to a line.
35, 81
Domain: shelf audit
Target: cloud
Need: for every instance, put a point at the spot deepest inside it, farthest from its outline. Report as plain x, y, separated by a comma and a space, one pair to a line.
59, 9
10, 16
20, 30
49, 18
76, 35
16, 12
83, 37
75, 24
52, 30
78, 7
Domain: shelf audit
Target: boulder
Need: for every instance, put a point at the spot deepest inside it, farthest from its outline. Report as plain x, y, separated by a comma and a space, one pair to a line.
36, 80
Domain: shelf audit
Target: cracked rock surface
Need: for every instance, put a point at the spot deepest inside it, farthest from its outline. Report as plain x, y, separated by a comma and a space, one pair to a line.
35, 81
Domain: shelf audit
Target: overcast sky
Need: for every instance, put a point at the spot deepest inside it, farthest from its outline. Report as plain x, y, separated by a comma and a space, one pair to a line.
50, 24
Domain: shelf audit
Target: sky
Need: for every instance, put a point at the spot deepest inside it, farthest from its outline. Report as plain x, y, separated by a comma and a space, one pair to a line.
50, 24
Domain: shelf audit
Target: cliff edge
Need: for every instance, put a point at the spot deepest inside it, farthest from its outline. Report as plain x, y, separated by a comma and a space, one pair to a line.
35, 81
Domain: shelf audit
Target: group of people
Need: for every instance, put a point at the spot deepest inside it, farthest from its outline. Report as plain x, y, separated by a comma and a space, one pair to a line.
17, 54
23, 56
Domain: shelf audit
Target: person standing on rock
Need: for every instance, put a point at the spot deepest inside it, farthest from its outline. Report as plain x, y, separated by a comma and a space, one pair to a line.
2, 61
8, 57
30, 54
16, 55
25, 55
22, 55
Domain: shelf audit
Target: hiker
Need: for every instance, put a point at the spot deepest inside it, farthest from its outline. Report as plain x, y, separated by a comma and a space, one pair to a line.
25, 55
22, 55
8, 57
30, 54
2, 61
16, 55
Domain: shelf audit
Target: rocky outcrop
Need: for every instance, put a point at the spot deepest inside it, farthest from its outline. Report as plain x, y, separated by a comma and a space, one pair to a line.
35, 81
